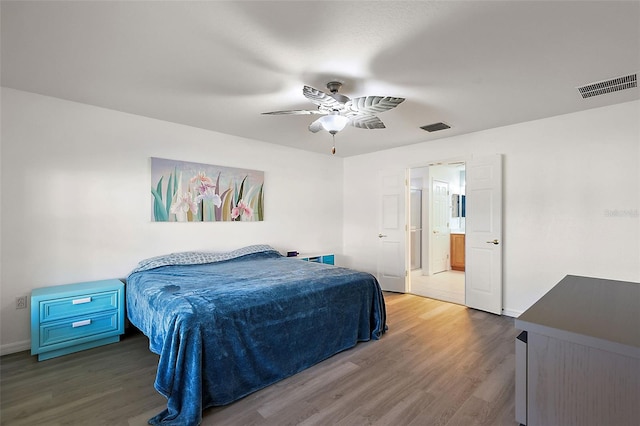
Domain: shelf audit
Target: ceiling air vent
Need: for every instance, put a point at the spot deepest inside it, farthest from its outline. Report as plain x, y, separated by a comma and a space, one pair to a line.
608, 86
435, 127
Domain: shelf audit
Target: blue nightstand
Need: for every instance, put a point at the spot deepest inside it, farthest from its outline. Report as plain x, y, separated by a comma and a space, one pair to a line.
74, 317
328, 259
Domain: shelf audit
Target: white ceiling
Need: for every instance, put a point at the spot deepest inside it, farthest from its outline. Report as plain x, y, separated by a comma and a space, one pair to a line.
217, 65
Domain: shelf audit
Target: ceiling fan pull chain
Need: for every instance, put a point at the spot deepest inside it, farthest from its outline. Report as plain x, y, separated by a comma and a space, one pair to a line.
333, 150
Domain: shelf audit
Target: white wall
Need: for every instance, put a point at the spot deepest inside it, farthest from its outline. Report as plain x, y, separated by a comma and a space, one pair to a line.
571, 197
76, 197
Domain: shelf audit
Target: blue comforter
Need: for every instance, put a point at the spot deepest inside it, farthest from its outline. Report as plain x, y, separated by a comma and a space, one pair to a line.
226, 327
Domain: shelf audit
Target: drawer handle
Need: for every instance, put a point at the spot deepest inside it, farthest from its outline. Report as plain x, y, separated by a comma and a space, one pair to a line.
81, 323
81, 301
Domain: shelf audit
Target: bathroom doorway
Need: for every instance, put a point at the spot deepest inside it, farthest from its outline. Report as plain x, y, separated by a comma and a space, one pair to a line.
438, 214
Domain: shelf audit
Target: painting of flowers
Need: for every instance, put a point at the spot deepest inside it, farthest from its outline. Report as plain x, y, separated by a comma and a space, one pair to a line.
192, 192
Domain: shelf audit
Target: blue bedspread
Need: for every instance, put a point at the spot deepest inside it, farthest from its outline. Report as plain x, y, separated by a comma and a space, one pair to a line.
226, 328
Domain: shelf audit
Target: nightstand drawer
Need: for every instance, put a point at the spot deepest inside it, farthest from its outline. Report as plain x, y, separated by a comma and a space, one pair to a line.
52, 310
79, 327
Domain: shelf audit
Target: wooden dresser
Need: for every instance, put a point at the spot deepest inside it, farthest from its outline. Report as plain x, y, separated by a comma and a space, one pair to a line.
578, 358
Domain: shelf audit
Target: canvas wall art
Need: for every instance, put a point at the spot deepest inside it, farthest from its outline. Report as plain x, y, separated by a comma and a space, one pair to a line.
192, 192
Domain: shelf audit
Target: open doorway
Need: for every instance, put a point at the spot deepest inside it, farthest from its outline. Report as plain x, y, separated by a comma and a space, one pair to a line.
437, 233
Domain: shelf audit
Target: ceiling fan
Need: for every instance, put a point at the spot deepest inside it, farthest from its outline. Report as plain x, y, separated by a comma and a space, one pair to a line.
338, 110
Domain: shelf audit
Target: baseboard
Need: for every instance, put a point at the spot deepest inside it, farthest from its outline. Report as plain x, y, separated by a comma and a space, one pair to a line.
511, 313
11, 348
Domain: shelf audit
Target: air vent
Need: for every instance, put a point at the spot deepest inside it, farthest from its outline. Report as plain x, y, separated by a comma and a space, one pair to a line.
435, 127
608, 86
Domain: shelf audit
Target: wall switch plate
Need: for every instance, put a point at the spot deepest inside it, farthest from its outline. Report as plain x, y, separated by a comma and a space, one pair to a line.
21, 302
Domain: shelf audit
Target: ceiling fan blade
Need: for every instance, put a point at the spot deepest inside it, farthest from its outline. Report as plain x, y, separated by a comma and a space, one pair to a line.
373, 104
294, 112
321, 99
339, 97
366, 121
316, 126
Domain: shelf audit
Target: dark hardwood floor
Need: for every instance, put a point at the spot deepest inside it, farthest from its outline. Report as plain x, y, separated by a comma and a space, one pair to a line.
439, 364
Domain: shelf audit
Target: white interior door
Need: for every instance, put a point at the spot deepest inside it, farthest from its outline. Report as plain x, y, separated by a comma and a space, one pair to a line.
483, 267
392, 264
439, 227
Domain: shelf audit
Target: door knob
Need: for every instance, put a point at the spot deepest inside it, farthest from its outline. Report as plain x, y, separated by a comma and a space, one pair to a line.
381, 235
496, 242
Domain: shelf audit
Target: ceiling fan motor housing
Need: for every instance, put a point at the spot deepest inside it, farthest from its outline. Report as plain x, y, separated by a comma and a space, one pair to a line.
334, 86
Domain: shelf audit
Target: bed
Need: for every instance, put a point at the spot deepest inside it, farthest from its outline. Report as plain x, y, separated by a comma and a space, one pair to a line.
228, 324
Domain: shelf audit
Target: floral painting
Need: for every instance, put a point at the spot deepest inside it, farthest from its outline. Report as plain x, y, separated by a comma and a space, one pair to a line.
193, 192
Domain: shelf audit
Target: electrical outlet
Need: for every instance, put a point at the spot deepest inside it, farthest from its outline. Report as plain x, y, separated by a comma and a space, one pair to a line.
21, 302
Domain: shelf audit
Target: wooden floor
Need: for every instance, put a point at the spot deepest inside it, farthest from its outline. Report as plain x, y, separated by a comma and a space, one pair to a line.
439, 364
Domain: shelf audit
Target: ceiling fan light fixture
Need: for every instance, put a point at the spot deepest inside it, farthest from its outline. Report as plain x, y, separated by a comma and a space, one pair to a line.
334, 123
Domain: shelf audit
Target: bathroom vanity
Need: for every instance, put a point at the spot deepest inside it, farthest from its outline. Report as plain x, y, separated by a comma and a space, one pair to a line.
457, 251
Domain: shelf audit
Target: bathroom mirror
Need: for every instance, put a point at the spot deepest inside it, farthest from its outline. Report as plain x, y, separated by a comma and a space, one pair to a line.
457, 205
